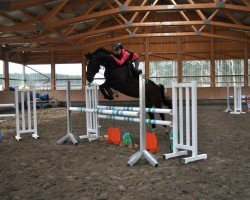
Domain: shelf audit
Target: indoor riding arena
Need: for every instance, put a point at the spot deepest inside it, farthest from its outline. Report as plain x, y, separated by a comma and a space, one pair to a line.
125, 99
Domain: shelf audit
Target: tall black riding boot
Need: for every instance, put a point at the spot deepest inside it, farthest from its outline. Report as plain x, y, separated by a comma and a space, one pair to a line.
135, 71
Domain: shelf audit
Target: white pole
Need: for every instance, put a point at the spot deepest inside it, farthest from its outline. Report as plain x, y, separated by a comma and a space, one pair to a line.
7, 115
142, 114
228, 110
23, 111
137, 109
29, 111
187, 116
107, 112
35, 135
7, 105
142, 152
18, 136
132, 119
69, 134
69, 122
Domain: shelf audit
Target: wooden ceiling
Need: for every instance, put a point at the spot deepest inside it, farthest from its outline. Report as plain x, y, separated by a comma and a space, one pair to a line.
45, 25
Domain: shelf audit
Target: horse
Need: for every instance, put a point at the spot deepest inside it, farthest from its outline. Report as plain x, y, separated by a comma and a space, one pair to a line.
120, 79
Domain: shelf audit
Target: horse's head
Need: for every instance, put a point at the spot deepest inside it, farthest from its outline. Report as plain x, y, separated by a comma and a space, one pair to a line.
93, 66
100, 57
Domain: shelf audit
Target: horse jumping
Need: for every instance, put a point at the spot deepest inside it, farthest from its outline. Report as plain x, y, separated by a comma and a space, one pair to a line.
119, 78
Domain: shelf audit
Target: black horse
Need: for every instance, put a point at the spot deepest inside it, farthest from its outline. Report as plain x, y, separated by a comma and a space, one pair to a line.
120, 79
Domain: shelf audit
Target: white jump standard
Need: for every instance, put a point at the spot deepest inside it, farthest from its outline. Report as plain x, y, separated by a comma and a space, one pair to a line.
188, 140
91, 98
237, 101
26, 121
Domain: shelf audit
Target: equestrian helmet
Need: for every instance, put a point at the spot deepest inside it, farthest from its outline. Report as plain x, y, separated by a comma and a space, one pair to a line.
118, 46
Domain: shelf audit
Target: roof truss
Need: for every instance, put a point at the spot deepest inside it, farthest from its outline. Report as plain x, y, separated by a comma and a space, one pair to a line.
87, 26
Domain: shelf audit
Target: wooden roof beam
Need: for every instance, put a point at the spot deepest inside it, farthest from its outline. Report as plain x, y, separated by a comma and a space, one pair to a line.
160, 56
246, 2
234, 19
224, 37
5, 15
94, 26
143, 35
120, 38
121, 16
210, 18
71, 28
118, 27
189, 7
71, 5
212, 15
145, 16
137, 13
184, 16
30, 16
52, 13
30, 26
202, 16
127, 2
7, 6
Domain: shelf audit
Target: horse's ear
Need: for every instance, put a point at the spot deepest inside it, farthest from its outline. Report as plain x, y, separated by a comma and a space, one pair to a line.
88, 56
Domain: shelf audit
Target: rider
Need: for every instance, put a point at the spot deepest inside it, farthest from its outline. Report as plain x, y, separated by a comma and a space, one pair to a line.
126, 55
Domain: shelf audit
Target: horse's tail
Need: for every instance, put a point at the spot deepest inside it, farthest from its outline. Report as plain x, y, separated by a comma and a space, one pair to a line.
165, 100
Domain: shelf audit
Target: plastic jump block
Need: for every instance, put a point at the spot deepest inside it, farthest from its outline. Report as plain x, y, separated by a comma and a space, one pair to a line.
152, 142
114, 135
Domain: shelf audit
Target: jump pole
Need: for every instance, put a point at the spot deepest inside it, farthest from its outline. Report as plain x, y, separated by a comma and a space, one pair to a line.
228, 110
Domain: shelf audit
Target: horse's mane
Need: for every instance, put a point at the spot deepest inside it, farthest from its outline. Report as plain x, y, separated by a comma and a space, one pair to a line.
102, 52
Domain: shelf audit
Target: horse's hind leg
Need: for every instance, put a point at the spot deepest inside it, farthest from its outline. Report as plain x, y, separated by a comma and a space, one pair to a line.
163, 118
152, 117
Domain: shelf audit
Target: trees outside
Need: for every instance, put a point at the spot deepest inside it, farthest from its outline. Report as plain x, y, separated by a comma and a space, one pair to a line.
197, 70
229, 72
163, 72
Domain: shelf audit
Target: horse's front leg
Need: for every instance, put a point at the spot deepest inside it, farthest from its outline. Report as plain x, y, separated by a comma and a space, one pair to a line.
107, 91
104, 92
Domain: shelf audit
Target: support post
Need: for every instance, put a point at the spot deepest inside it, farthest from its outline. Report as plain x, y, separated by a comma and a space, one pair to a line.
228, 110
212, 60
69, 135
84, 76
246, 66
6, 83
24, 71
53, 71
147, 70
142, 152
179, 60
